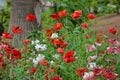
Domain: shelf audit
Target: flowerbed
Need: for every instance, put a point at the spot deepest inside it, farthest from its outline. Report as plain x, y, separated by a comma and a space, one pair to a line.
61, 52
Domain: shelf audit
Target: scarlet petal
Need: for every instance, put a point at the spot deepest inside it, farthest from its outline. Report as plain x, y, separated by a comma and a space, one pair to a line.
26, 41
55, 16
43, 62
34, 69
16, 54
58, 26
84, 25
69, 54
56, 77
91, 16
60, 50
88, 36
64, 44
49, 32
6, 35
56, 42
30, 17
77, 14
69, 57
113, 30
17, 30
62, 13
3, 64
80, 71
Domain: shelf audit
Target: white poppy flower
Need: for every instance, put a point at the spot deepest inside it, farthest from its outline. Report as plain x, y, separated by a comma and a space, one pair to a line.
51, 62
43, 47
37, 47
35, 42
35, 62
92, 66
41, 56
56, 56
88, 76
54, 35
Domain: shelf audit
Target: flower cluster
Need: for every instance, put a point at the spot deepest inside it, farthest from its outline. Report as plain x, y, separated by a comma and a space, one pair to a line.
59, 14
59, 57
11, 54
38, 46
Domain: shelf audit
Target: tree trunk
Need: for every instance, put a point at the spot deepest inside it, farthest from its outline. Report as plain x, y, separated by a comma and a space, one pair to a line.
20, 9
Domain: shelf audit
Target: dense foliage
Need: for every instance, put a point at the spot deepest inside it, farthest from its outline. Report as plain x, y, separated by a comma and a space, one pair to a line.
66, 49
57, 53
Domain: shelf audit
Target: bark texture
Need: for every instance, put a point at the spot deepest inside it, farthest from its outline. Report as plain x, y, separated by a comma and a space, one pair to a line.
20, 8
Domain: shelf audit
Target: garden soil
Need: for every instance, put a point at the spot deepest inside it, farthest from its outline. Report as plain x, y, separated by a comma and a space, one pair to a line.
102, 24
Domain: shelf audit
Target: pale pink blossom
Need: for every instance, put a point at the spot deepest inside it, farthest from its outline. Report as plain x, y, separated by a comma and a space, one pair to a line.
116, 50
114, 42
109, 49
98, 44
92, 66
92, 48
91, 58
2, 46
113, 50
88, 76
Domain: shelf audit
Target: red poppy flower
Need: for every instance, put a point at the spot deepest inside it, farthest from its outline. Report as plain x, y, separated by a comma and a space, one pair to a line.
110, 75
58, 26
34, 69
16, 29
69, 57
56, 77
84, 25
49, 32
26, 41
77, 14
112, 41
100, 35
59, 43
63, 43
91, 16
112, 67
113, 30
80, 71
102, 52
98, 40
43, 62
99, 71
16, 54
6, 35
2, 64
8, 50
88, 36
30, 17
60, 50
62, 13
55, 16
56, 42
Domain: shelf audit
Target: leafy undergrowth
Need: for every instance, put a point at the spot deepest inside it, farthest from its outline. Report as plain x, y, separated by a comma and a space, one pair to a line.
63, 52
